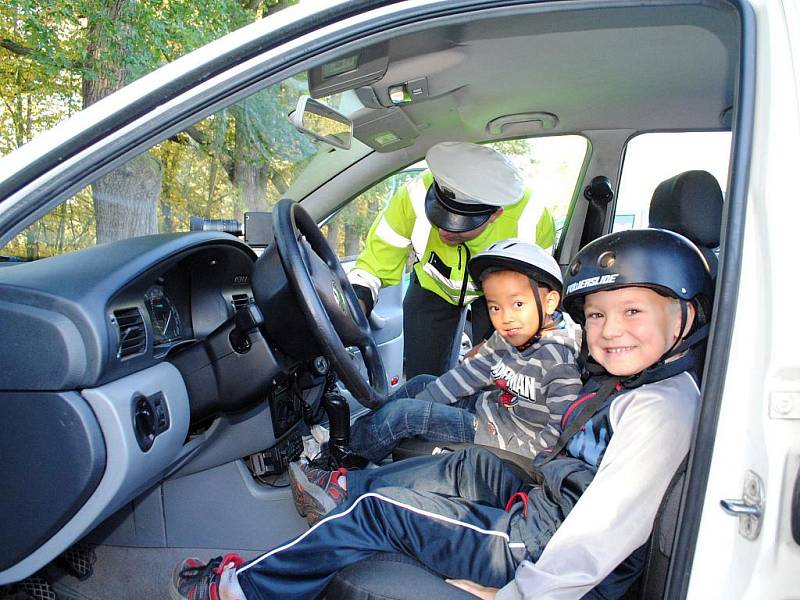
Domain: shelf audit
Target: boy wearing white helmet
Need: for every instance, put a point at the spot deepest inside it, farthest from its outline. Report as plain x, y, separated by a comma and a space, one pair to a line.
511, 394
470, 197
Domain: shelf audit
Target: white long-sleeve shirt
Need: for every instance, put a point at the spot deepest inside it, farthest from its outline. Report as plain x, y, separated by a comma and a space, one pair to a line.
652, 428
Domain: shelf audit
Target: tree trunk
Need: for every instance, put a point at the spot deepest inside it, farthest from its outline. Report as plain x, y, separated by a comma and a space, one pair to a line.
125, 201
166, 217
110, 72
352, 241
250, 173
334, 231
250, 181
249, 168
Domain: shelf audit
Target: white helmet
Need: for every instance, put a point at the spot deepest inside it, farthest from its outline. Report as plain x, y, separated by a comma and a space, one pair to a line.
518, 255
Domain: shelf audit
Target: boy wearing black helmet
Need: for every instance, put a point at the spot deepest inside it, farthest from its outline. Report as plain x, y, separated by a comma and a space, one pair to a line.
644, 296
511, 394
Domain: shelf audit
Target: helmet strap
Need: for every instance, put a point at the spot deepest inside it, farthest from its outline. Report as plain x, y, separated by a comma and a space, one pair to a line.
688, 342
539, 309
536, 336
684, 319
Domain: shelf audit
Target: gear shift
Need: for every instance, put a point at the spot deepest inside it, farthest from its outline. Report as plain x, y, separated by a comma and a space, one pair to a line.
338, 412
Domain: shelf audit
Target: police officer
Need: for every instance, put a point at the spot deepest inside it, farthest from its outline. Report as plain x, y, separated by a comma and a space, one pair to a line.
470, 197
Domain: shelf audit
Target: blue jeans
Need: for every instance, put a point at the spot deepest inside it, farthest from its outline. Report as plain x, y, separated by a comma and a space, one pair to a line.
377, 433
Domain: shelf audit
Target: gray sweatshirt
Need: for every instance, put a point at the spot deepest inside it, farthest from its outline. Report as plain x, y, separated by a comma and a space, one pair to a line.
521, 395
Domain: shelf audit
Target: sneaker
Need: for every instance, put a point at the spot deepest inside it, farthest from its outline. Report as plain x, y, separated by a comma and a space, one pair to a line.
315, 491
193, 579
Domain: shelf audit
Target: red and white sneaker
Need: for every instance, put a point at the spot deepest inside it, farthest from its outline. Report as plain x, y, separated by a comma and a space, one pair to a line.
316, 492
192, 579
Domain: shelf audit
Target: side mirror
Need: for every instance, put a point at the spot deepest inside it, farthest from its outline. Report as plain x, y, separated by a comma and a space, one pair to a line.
322, 123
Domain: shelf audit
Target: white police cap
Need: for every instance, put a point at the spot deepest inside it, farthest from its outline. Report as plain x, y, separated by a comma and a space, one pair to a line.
475, 174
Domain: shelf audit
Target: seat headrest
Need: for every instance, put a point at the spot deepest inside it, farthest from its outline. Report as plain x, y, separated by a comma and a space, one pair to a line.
690, 204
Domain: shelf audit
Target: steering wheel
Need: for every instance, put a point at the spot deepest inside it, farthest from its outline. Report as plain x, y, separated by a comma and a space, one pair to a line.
328, 301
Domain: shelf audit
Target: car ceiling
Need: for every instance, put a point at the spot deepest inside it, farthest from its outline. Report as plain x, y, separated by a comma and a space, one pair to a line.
644, 68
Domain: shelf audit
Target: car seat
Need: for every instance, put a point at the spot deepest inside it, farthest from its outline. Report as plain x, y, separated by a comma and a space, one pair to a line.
690, 203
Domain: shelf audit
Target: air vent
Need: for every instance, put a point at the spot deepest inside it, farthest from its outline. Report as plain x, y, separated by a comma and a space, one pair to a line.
240, 301
132, 334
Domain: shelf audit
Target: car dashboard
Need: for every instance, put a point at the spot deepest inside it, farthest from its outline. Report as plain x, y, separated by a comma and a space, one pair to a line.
115, 356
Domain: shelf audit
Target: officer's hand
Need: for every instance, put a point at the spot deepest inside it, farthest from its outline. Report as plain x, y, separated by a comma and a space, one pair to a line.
364, 296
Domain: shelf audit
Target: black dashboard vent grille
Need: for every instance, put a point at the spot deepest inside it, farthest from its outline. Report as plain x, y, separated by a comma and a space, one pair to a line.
132, 334
240, 301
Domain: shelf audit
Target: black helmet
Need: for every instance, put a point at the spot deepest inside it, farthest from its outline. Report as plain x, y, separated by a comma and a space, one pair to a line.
658, 259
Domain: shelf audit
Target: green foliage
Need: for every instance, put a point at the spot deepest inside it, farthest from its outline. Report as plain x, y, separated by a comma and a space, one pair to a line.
70, 227
55, 50
246, 155
50, 46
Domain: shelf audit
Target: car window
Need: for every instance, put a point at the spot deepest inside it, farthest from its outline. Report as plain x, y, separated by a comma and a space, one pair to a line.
651, 158
242, 158
550, 165
347, 229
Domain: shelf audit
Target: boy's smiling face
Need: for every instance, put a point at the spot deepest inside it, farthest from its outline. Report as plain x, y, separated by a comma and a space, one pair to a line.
512, 306
629, 329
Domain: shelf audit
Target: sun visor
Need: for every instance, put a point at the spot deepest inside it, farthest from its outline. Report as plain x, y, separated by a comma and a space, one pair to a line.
349, 71
384, 130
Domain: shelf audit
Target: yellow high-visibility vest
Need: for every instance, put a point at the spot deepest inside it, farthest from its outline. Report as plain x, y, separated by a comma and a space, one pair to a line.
440, 268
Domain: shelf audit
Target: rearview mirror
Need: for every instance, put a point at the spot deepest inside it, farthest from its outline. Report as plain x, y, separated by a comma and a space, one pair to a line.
322, 122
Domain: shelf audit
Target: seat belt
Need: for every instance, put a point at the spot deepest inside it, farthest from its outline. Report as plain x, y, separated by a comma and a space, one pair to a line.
455, 349
588, 410
599, 194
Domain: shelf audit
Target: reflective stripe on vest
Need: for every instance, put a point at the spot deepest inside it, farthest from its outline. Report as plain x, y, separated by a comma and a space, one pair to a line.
451, 287
528, 220
385, 232
417, 190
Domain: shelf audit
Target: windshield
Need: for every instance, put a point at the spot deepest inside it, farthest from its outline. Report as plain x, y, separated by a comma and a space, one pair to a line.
241, 159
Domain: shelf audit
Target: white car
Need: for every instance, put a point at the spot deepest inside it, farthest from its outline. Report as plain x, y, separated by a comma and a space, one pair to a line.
154, 381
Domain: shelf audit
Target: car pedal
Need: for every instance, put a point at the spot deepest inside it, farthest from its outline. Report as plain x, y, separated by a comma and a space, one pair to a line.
78, 560
35, 587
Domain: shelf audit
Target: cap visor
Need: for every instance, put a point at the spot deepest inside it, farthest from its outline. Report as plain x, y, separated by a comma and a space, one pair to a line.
442, 218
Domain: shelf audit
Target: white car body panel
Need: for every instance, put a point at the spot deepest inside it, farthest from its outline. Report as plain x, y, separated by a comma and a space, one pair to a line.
758, 427
759, 420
